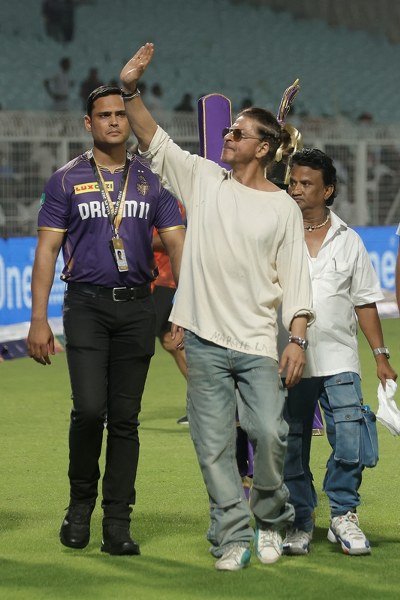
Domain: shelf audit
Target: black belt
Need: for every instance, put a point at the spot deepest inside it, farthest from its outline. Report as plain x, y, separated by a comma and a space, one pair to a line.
118, 294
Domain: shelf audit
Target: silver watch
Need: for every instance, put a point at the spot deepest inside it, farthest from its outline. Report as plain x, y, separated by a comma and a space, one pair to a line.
299, 341
378, 351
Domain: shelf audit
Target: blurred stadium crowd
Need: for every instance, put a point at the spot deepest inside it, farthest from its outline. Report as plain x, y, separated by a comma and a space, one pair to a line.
249, 50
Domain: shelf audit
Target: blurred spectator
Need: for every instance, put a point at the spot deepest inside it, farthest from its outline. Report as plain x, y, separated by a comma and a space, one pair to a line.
89, 84
59, 19
246, 103
154, 101
185, 105
365, 117
59, 85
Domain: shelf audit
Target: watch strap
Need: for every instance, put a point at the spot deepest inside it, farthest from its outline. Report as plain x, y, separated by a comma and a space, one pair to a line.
299, 341
378, 351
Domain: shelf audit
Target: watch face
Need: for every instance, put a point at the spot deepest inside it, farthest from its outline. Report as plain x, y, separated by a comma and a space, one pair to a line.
299, 341
384, 351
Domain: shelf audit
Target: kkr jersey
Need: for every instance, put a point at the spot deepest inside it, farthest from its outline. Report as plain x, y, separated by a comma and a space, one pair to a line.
72, 203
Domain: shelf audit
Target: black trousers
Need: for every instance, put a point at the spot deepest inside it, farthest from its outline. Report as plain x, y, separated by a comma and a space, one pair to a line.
109, 346
163, 299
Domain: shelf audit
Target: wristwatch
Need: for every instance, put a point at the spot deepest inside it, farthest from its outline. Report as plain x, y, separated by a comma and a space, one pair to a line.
378, 351
299, 341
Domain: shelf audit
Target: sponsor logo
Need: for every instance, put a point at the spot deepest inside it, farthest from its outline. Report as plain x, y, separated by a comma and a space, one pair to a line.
85, 188
96, 209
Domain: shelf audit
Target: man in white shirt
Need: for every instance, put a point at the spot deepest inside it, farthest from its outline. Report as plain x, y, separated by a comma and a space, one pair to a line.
345, 289
59, 86
244, 255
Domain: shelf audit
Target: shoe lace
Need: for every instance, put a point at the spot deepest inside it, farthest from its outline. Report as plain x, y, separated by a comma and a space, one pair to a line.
236, 553
349, 525
268, 538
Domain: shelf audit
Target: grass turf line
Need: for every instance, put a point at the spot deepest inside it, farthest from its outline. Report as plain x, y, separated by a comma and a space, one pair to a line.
171, 516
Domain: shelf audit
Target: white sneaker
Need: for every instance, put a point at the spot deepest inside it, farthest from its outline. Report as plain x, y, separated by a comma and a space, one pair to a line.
345, 529
297, 542
268, 545
234, 558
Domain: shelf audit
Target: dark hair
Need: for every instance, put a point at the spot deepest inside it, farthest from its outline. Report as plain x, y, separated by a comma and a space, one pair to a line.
103, 90
319, 161
268, 129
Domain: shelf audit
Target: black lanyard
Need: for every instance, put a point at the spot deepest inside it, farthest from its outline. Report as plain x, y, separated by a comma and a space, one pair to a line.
105, 194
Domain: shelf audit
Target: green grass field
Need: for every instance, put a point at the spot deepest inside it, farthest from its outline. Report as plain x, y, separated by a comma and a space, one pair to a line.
171, 516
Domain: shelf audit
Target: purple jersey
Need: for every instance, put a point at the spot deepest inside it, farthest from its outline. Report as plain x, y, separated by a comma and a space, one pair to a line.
72, 202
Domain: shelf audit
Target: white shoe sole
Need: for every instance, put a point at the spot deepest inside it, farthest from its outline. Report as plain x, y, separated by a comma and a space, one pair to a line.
346, 550
268, 561
293, 551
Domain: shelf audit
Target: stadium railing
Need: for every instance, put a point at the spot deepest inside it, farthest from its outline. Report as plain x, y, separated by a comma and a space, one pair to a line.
34, 144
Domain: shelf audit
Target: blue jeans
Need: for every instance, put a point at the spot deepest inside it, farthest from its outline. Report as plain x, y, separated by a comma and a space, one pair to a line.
213, 372
340, 398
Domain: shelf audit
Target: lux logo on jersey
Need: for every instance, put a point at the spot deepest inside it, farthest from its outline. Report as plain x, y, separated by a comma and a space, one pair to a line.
96, 209
84, 188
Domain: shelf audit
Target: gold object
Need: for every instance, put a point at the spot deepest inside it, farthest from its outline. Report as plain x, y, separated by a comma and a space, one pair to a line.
292, 139
313, 227
142, 186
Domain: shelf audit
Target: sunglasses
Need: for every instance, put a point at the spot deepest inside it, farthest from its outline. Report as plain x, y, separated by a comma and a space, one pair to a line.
237, 134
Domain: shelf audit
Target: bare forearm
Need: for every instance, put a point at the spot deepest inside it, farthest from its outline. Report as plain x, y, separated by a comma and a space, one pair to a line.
298, 326
176, 260
42, 280
142, 123
173, 242
370, 324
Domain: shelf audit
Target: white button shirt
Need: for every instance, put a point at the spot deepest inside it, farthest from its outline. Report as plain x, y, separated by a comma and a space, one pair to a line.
342, 278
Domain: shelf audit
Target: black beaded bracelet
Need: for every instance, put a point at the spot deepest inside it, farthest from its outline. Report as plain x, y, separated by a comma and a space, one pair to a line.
130, 95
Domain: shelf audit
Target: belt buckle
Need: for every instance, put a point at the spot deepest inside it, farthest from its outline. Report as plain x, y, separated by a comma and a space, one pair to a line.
114, 296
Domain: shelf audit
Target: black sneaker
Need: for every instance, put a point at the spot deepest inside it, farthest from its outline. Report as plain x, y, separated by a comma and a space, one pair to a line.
183, 420
117, 540
75, 529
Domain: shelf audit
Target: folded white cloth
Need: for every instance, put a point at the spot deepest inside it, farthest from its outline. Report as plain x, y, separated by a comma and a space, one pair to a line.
388, 414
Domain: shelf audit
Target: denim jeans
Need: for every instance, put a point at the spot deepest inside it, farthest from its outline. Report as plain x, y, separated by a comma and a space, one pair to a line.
213, 372
341, 399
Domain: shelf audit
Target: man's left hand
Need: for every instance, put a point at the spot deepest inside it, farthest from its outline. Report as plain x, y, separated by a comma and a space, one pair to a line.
178, 334
292, 362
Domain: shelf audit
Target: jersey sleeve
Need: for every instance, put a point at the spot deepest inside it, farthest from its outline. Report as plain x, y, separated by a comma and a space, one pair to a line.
54, 205
168, 215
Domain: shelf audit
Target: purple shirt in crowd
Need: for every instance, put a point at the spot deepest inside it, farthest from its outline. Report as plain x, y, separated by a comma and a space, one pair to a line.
72, 202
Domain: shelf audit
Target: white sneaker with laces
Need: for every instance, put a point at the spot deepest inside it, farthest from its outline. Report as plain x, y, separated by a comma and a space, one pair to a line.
297, 542
268, 545
345, 530
234, 558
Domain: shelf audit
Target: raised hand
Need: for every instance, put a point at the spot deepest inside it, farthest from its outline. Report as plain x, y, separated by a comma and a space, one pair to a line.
136, 66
